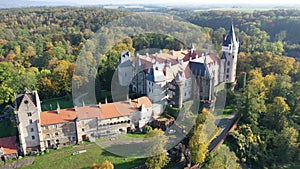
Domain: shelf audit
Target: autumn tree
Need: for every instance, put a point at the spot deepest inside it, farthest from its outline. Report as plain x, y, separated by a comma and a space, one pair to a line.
104, 165
202, 134
159, 158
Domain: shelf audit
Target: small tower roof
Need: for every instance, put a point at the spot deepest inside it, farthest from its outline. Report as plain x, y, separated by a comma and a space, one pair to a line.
223, 56
230, 38
178, 77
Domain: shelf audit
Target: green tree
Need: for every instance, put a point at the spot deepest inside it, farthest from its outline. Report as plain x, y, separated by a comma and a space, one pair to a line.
222, 158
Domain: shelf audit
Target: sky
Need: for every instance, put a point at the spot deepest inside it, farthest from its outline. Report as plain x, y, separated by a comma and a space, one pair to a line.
287, 2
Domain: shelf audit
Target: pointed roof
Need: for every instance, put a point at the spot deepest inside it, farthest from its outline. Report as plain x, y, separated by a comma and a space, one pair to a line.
178, 77
230, 38
29, 96
223, 56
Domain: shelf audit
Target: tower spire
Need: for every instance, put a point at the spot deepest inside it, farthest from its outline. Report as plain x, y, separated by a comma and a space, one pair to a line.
231, 38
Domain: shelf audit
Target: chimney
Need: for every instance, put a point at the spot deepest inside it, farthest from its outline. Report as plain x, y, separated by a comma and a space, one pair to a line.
129, 101
83, 104
224, 37
138, 100
76, 109
99, 105
105, 100
58, 108
172, 52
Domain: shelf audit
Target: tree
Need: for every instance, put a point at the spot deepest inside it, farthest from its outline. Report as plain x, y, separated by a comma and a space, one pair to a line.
198, 145
202, 134
147, 129
159, 158
275, 117
104, 165
222, 158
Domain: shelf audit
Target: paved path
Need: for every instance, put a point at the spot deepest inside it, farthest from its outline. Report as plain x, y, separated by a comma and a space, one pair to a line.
229, 125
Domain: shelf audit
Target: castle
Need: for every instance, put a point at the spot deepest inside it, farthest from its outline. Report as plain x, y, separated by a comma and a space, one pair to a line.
178, 76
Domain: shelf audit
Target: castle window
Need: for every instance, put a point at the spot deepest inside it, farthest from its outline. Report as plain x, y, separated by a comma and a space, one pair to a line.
26, 101
31, 129
55, 125
82, 129
32, 137
232, 56
73, 138
46, 127
56, 134
227, 76
228, 63
29, 114
30, 121
227, 70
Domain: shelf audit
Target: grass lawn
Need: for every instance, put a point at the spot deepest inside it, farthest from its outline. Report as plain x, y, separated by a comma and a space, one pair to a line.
63, 103
136, 135
7, 128
63, 158
226, 112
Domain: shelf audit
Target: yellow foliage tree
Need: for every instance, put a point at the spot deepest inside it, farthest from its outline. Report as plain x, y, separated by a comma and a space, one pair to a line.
105, 165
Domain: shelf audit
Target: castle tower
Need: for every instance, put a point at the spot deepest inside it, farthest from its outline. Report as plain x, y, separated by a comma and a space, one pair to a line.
28, 108
228, 60
125, 69
179, 84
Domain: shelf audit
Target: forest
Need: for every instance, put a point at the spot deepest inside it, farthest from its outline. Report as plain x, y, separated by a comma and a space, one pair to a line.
39, 48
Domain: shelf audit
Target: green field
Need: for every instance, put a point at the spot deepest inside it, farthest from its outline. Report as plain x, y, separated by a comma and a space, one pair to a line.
63, 158
7, 128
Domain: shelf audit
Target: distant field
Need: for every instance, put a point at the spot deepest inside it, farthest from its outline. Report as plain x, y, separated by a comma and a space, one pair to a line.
7, 128
61, 159
235, 9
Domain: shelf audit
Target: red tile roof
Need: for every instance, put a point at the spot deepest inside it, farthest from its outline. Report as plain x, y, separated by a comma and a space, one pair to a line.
88, 112
109, 110
8, 144
52, 117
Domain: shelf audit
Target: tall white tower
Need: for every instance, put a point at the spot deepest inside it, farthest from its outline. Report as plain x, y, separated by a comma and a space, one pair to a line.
228, 60
28, 117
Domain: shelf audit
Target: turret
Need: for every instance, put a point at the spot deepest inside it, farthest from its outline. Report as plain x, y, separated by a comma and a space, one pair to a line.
125, 69
179, 84
229, 57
